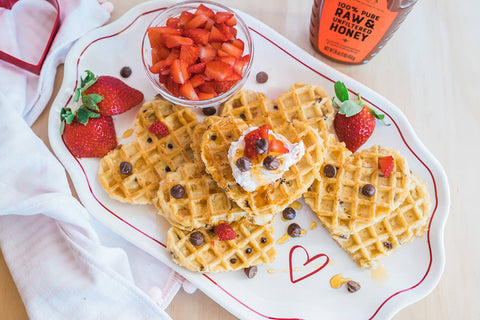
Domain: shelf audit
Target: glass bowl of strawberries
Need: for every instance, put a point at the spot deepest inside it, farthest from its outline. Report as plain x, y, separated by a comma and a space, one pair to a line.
197, 53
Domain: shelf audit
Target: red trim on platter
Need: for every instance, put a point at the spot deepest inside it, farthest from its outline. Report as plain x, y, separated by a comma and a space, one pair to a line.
318, 73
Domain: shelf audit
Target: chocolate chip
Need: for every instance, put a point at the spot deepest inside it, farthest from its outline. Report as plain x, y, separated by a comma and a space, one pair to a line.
388, 245
329, 171
210, 111
294, 230
261, 146
244, 164
149, 140
271, 163
251, 271
233, 261
242, 115
125, 167
197, 239
167, 169
262, 77
170, 146
126, 72
249, 250
288, 213
213, 137
353, 286
177, 191
368, 190
263, 240
275, 107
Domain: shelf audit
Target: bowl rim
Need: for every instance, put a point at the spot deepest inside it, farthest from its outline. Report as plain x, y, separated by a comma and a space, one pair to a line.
208, 102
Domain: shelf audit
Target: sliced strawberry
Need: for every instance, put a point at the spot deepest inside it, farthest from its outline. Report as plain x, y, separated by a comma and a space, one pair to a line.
172, 41
222, 53
229, 60
207, 87
173, 87
204, 10
185, 16
162, 65
198, 21
238, 66
179, 71
386, 164
207, 53
222, 16
217, 70
251, 139
232, 50
197, 68
197, 80
199, 36
239, 43
206, 96
246, 58
155, 35
159, 53
172, 22
188, 91
233, 77
216, 35
223, 86
275, 145
189, 54
226, 31
216, 44
231, 22
233, 31
210, 23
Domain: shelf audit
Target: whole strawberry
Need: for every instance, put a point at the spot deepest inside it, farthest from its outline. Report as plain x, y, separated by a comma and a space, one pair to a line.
107, 95
354, 122
86, 134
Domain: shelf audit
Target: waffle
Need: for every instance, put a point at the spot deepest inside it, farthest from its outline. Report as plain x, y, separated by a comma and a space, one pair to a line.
368, 245
307, 103
197, 136
219, 256
339, 203
262, 204
151, 156
204, 203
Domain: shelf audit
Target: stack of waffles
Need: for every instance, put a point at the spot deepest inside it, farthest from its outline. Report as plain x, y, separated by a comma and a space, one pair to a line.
187, 176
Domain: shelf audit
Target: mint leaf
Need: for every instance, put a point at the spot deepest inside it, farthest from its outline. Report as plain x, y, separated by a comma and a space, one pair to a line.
335, 104
341, 91
379, 116
350, 108
90, 101
85, 83
66, 115
83, 114
62, 127
78, 91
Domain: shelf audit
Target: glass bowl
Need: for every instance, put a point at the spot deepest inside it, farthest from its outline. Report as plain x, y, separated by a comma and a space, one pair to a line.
175, 11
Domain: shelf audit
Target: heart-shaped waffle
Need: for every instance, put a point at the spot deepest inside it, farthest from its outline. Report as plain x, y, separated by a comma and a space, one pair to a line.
307, 103
263, 203
150, 155
253, 245
203, 204
369, 244
338, 201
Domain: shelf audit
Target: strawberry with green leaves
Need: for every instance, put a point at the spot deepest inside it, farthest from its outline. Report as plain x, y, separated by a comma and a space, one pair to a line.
354, 122
107, 95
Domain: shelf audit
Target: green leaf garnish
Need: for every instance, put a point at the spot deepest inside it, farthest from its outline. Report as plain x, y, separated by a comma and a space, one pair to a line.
341, 91
85, 83
335, 104
380, 117
83, 114
350, 108
90, 101
66, 115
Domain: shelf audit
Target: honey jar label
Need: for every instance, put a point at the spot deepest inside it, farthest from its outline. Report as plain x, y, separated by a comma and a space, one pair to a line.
349, 30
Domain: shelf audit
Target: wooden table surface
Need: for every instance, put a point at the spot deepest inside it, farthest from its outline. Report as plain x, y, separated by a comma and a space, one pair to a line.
429, 70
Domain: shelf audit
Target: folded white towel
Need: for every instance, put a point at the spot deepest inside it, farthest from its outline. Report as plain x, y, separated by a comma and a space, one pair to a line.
65, 264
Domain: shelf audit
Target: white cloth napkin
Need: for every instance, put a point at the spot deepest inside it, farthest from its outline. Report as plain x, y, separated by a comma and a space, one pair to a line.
65, 264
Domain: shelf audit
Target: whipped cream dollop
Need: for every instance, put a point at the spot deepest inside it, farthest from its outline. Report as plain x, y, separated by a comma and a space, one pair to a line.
258, 175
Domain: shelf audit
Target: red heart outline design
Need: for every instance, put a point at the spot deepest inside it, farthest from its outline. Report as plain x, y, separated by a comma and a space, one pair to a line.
33, 68
307, 262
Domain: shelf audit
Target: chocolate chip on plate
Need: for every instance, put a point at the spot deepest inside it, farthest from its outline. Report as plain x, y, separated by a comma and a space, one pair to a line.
126, 72
262, 77
209, 111
261, 146
329, 171
353, 286
271, 163
244, 164
368, 190
288, 213
251, 271
177, 191
197, 239
294, 230
125, 167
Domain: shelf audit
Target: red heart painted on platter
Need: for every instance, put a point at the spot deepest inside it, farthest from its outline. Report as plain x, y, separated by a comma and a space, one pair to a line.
309, 260
35, 66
